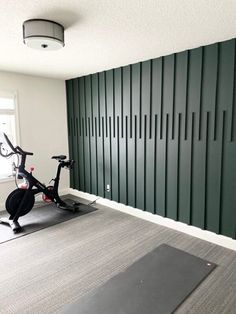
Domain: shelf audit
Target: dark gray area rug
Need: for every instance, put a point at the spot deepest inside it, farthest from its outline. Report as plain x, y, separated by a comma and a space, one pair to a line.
41, 217
157, 283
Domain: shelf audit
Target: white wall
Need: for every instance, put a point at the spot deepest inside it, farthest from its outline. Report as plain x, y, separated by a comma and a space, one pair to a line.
43, 124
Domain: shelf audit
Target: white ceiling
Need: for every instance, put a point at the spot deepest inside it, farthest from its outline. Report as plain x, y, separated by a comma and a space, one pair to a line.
104, 34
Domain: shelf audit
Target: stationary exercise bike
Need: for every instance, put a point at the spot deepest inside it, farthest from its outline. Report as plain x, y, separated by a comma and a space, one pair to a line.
20, 201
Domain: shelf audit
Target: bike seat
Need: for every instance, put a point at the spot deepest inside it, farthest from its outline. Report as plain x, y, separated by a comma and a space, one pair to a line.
60, 157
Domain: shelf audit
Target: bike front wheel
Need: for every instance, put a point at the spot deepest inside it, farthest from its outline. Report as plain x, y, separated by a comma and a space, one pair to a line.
22, 198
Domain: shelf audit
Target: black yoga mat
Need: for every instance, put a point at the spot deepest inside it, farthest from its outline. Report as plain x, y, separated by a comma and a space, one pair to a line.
41, 217
157, 283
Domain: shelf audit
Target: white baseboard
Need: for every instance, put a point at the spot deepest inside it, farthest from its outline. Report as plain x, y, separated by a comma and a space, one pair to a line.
64, 191
179, 226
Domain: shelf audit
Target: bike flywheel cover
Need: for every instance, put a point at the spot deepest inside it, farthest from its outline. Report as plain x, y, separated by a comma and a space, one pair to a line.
15, 198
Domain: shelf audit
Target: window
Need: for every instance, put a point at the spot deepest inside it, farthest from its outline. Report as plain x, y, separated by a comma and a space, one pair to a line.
8, 125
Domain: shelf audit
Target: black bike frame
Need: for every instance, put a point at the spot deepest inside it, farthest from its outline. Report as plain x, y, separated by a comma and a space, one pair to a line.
34, 186
37, 187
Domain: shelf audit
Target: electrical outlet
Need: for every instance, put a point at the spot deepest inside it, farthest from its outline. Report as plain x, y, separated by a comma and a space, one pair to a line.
108, 188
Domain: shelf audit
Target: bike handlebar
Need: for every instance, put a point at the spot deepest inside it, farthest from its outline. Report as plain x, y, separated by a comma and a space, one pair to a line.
22, 152
15, 150
9, 143
4, 155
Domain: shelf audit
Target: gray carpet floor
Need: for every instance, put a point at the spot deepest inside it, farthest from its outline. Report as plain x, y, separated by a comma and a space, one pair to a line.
43, 271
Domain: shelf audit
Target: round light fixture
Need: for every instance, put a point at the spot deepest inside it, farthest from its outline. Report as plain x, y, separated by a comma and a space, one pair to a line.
43, 34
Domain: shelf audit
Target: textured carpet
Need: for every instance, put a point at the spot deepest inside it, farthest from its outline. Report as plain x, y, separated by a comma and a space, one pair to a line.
46, 270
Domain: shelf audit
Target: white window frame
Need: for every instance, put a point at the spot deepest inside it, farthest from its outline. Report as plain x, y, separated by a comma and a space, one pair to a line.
13, 95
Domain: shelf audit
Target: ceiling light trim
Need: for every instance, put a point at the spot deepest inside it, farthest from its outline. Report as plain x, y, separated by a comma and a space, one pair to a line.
43, 34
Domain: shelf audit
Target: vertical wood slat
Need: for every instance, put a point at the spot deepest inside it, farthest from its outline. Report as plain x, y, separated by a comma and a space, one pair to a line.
114, 167
228, 186
105, 92
78, 152
114, 103
173, 103
85, 106
96, 153
123, 163
150, 100
140, 101
191, 166
75, 131
150, 166
233, 103
131, 102
186, 99
130, 150
91, 95
166, 163
100, 158
126, 159
110, 150
140, 169
89, 156
145, 162
135, 160
118, 158
201, 88
122, 102
172, 170
221, 172
161, 98
69, 119
216, 91
93, 158
99, 105
206, 171
103, 158
155, 162
178, 166
153, 131
84, 140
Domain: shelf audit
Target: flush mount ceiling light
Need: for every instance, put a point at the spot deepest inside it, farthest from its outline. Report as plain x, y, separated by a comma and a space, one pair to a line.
43, 34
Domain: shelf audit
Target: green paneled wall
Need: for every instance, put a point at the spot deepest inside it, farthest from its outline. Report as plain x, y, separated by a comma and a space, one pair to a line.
162, 133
